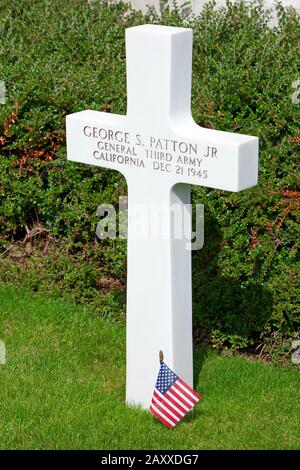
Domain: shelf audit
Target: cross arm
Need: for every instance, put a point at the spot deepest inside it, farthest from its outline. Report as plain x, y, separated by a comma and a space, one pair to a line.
179, 153
216, 159
93, 135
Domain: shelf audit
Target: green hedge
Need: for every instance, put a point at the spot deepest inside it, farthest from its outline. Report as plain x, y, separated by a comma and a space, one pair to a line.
58, 57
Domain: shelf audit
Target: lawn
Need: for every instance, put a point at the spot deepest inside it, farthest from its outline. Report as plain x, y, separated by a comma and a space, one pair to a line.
63, 387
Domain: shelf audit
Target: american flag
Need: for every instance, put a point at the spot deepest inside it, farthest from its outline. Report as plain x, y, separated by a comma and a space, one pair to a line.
172, 398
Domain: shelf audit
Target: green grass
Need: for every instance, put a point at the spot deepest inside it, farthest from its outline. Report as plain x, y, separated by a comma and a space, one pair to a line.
63, 387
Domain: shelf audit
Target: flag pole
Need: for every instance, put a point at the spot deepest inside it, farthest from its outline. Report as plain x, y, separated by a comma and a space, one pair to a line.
161, 356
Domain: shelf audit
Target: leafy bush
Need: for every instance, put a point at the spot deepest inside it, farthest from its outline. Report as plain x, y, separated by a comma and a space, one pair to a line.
62, 57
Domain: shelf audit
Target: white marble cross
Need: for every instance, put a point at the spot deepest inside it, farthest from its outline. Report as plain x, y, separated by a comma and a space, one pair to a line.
161, 151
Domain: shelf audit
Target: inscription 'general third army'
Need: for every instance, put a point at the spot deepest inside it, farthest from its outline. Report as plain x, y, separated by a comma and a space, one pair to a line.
160, 154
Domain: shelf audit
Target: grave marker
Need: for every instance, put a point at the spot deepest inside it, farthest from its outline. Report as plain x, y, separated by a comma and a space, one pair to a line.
161, 151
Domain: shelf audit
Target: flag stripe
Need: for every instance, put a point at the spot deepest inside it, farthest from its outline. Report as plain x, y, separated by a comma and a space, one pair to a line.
172, 403
171, 393
189, 389
165, 410
164, 404
179, 398
184, 394
165, 414
161, 416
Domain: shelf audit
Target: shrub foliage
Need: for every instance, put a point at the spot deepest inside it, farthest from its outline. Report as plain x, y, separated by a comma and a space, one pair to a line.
61, 57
